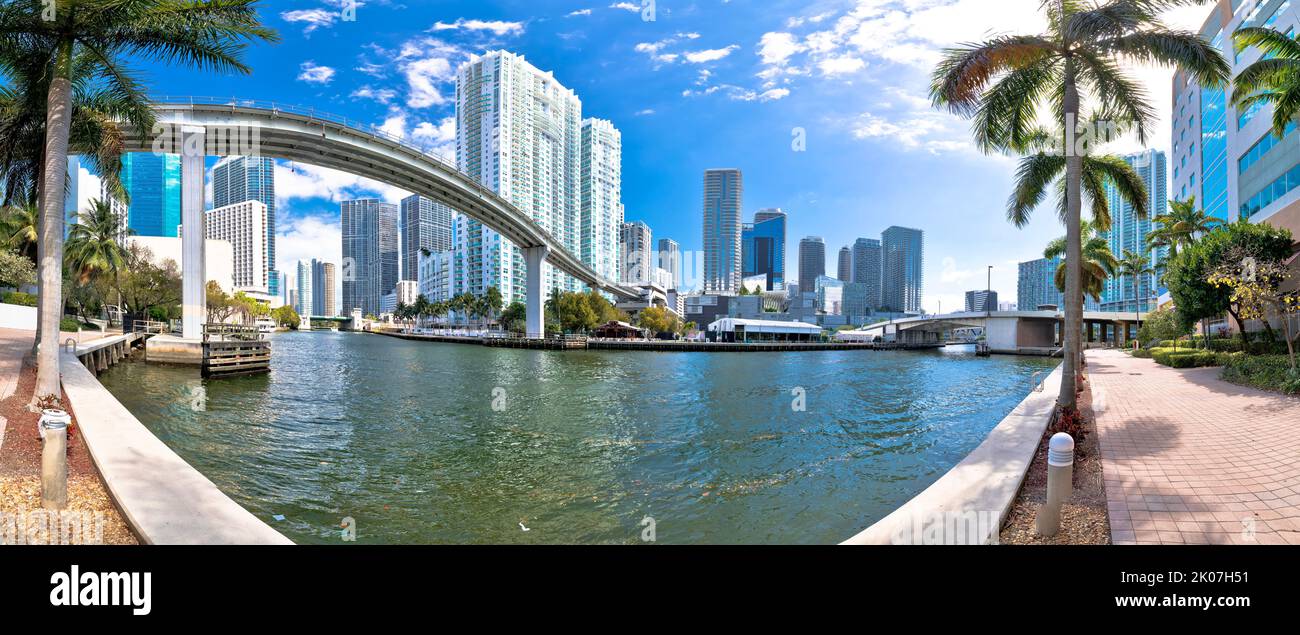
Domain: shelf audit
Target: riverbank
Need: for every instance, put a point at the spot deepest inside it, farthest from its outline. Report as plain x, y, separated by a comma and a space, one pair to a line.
662, 346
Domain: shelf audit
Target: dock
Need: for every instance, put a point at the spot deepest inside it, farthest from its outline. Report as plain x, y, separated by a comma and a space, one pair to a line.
233, 351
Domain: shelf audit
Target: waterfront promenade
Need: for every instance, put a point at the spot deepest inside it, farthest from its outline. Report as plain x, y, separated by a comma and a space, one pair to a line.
1191, 459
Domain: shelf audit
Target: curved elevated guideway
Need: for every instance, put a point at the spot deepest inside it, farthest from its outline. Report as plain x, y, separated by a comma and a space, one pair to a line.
195, 127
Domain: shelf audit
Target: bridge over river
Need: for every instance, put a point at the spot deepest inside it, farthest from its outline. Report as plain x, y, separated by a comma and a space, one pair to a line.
1008, 332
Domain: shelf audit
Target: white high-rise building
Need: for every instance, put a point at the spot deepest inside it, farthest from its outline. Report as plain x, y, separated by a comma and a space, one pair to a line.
243, 225
437, 276
602, 196
519, 133
306, 292
636, 254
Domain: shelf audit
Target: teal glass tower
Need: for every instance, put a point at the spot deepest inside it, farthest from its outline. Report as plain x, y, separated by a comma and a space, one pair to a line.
154, 183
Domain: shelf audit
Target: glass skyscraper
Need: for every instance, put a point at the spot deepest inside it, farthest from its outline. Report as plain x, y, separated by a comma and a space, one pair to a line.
812, 263
902, 269
426, 225
1037, 285
1128, 232
370, 249
239, 179
724, 193
866, 270
763, 248
154, 184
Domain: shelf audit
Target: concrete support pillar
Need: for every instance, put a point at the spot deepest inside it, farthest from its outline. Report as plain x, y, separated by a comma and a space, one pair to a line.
193, 233
536, 296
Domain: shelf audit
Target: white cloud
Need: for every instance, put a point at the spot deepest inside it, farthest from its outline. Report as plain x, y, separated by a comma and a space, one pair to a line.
842, 65
710, 55
626, 6
303, 181
777, 48
579, 12
307, 237
313, 73
442, 137
645, 113
497, 27
381, 95
312, 18
951, 274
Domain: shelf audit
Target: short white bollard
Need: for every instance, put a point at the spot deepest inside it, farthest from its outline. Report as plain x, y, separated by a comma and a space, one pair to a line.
54, 459
1060, 483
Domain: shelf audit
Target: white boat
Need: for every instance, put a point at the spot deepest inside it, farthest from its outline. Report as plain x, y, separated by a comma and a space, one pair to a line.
266, 326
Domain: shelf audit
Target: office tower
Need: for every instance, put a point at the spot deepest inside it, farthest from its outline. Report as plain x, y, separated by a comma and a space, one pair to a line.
153, 182
866, 269
1128, 232
370, 249
812, 263
830, 295
322, 287
243, 225
724, 193
1036, 285
845, 269
763, 248
239, 179
902, 269
635, 254
981, 301
519, 133
306, 294
1228, 158
858, 301
426, 226
601, 177
670, 260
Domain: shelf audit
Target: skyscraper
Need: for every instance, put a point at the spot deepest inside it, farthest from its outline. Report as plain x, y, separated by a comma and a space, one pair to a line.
426, 225
1128, 232
1036, 285
243, 225
866, 269
812, 263
670, 260
845, 269
763, 248
724, 193
154, 183
306, 294
519, 133
370, 249
902, 269
637, 256
602, 196
981, 301
323, 282
239, 179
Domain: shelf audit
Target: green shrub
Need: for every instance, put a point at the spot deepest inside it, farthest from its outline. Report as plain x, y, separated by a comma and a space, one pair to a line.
70, 324
1142, 353
1184, 357
19, 298
1227, 358
1271, 372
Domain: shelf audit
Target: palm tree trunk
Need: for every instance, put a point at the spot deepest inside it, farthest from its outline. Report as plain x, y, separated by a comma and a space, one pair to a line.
53, 181
1073, 247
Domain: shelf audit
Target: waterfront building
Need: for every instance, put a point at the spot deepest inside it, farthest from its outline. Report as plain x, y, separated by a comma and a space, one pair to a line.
738, 330
323, 281
601, 216
1007, 306
866, 269
426, 226
1228, 158
724, 193
437, 276
243, 225
981, 301
844, 272
306, 294
1037, 285
763, 247
858, 301
370, 247
237, 179
1129, 232
670, 260
153, 182
902, 269
812, 263
404, 292
636, 256
519, 134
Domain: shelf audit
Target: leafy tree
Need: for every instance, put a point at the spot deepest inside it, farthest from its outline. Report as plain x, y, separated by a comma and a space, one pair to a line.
1255, 289
1188, 274
16, 270
659, 320
493, 302
286, 316
1272, 81
1164, 324
1007, 82
515, 317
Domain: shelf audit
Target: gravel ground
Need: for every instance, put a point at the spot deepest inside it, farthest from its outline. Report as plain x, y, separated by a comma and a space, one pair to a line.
91, 512
1084, 520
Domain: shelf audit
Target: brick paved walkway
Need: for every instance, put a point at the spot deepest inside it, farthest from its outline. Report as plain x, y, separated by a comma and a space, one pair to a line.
13, 345
1190, 459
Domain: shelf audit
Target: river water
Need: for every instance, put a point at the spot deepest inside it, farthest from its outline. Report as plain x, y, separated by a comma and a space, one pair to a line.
452, 443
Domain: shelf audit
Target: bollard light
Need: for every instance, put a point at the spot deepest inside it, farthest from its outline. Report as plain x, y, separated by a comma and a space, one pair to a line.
54, 459
1060, 483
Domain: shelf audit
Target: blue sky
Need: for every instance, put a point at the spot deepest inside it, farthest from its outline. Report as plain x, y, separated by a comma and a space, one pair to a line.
706, 83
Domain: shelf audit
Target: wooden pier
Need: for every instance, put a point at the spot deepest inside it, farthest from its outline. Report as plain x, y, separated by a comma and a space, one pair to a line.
234, 351
100, 355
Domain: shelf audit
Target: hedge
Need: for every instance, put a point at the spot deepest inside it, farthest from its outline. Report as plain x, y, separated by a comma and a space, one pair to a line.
1184, 358
1268, 372
19, 298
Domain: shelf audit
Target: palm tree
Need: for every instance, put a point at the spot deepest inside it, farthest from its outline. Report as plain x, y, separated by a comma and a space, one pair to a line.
1006, 83
209, 35
1099, 263
493, 302
1136, 265
1273, 80
1180, 226
18, 229
95, 242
